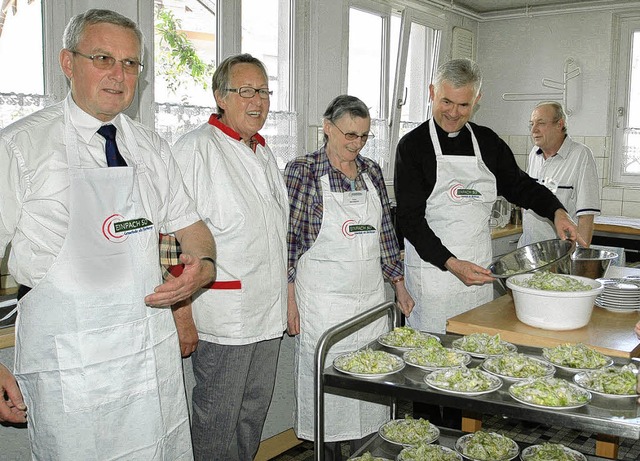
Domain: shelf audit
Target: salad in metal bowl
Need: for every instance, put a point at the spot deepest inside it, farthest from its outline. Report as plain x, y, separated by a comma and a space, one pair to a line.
610, 382
463, 380
368, 363
436, 357
487, 446
549, 393
576, 357
409, 431
551, 452
368, 457
517, 366
483, 345
426, 452
405, 338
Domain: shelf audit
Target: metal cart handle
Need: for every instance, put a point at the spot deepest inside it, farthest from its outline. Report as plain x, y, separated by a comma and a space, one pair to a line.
321, 354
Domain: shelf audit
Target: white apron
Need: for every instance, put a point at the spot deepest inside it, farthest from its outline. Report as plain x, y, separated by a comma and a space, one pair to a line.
458, 212
100, 371
337, 278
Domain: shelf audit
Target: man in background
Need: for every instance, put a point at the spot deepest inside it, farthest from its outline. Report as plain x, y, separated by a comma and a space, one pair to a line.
565, 167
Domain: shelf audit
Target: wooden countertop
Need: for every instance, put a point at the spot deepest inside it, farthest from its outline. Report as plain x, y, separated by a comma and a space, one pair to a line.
511, 229
609, 332
505, 231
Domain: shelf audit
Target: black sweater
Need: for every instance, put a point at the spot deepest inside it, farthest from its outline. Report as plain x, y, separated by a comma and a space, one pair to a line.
415, 178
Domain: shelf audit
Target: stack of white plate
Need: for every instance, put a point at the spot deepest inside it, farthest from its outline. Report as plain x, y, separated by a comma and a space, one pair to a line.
620, 294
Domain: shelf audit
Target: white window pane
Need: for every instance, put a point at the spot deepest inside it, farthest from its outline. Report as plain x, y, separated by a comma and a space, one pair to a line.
365, 59
22, 85
185, 56
631, 136
265, 35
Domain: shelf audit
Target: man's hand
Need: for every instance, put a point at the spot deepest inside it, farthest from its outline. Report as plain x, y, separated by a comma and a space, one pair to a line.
468, 272
187, 332
197, 273
293, 316
566, 228
12, 407
403, 298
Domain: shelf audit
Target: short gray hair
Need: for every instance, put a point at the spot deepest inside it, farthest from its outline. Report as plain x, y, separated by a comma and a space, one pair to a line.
76, 26
345, 105
558, 112
459, 73
221, 77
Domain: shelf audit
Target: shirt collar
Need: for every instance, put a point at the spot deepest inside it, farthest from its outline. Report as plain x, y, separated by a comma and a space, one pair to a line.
86, 125
214, 120
563, 152
324, 166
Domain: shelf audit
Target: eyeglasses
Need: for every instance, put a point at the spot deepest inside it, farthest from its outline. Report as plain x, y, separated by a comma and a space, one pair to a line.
104, 62
354, 136
248, 92
542, 123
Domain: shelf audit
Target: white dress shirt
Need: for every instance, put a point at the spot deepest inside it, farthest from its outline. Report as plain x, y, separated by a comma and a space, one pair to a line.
34, 183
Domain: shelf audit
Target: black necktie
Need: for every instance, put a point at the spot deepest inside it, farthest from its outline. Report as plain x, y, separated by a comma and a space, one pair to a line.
111, 148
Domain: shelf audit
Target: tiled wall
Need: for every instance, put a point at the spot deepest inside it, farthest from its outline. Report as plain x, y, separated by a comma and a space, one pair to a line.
615, 201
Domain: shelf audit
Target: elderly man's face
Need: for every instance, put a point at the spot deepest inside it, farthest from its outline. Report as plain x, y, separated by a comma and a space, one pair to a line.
546, 131
102, 93
452, 107
244, 115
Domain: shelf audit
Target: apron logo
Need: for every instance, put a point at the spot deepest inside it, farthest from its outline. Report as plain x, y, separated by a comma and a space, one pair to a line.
458, 192
116, 229
350, 229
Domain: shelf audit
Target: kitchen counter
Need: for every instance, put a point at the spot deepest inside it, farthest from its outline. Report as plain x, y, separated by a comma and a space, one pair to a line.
609, 332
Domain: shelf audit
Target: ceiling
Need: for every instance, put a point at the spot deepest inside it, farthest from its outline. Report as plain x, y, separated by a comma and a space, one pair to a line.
494, 9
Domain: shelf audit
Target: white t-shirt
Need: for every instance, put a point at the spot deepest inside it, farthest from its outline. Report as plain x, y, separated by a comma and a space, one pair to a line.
34, 183
572, 176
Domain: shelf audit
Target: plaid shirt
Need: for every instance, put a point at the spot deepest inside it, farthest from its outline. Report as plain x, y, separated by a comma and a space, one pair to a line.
169, 253
302, 176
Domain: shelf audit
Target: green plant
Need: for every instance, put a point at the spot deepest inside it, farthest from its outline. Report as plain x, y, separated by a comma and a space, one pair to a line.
177, 60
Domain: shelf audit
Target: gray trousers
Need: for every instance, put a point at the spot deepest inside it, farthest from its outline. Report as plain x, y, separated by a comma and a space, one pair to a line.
233, 390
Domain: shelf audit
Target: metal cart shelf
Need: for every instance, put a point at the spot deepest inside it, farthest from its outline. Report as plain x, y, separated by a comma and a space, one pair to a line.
615, 417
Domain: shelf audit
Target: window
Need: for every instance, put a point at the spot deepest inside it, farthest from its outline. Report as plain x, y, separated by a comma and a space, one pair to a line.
626, 120
21, 92
392, 57
187, 32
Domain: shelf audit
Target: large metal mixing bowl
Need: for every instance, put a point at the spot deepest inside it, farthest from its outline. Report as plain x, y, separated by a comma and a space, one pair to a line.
548, 254
590, 262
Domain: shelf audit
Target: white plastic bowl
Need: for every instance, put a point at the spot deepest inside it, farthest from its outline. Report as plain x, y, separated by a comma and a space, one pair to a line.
554, 310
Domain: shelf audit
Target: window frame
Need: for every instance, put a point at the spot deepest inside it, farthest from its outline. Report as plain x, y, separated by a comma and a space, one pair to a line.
624, 25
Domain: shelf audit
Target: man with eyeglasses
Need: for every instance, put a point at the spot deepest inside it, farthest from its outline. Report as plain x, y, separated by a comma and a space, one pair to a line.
234, 327
565, 167
85, 193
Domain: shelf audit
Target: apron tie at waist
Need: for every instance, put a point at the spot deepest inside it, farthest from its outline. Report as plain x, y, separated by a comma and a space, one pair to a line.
23, 290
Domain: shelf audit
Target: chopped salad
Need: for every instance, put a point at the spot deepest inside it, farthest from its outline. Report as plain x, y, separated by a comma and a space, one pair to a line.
613, 381
436, 357
516, 365
407, 337
428, 452
463, 379
483, 343
550, 451
488, 446
409, 431
548, 281
368, 457
577, 356
368, 361
549, 392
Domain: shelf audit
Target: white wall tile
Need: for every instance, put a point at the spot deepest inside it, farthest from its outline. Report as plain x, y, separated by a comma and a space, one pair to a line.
596, 144
612, 193
600, 167
519, 145
631, 195
631, 209
611, 207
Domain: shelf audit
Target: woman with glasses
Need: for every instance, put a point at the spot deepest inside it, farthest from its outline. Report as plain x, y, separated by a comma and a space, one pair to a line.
342, 246
234, 327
